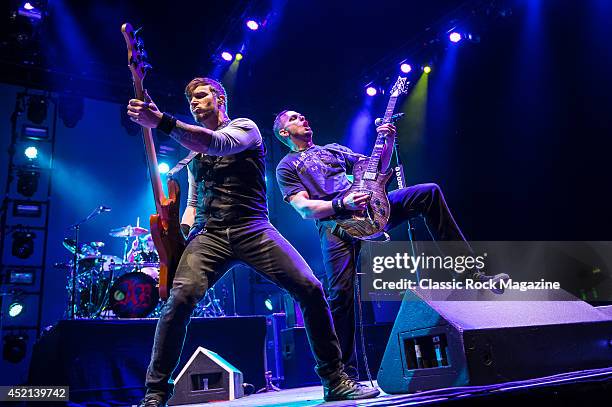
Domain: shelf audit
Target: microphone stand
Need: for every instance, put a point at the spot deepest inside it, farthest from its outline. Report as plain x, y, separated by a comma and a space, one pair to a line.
401, 183
76, 227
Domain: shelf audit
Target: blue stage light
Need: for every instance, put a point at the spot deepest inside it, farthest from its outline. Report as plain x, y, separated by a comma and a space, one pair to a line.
455, 37
163, 168
31, 152
253, 25
405, 68
371, 91
15, 309
227, 56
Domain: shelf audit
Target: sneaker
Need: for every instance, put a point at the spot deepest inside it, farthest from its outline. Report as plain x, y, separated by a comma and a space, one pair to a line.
152, 401
496, 279
346, 388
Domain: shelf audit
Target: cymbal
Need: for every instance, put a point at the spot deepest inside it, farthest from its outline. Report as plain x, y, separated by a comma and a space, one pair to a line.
84, 248
128, 231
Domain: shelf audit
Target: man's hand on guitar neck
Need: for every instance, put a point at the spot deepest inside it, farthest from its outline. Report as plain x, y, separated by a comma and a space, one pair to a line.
144, 113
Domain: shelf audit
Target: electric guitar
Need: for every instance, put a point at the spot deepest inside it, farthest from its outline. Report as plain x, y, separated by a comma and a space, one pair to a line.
370, 223
165, 224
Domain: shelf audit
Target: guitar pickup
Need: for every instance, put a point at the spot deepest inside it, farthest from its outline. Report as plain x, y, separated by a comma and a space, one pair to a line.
369, 175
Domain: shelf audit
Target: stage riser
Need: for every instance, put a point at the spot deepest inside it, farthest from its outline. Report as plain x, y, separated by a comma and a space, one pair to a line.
107, 360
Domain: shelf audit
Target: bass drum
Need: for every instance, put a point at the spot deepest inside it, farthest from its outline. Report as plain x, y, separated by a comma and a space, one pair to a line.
134, 295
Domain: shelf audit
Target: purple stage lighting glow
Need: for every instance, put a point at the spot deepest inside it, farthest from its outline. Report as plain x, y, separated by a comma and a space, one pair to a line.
371, 91
227, 56
28, 6
454, 37
253, 25
405, 68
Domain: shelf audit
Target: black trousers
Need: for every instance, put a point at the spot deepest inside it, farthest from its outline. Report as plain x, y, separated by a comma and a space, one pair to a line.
341, 256
206, 258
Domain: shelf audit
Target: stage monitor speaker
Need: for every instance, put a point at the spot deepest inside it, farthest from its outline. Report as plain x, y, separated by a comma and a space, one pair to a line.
438, 344
206, 377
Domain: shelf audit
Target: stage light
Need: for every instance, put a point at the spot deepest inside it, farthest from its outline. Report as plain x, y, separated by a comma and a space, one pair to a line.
268, 304
427, 69
163, 168
23, 244
239, 57
226, 56
15, 309
27, 182
253, 25
37, 109
31, 152
14, 347
371, 91
28, 6
455, 37
405, 68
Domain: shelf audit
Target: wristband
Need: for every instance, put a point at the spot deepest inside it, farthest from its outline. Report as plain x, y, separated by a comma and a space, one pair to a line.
167, 123
338, 206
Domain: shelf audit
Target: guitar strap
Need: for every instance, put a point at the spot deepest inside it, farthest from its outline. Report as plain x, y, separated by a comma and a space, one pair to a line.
182, 164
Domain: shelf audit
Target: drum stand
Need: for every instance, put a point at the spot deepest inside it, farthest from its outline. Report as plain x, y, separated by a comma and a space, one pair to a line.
75, 261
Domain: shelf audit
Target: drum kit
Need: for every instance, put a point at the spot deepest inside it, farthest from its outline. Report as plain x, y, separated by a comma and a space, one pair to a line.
109, 286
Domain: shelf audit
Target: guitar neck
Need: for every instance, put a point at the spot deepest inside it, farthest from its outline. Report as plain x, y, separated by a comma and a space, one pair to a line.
147, 137
379, 145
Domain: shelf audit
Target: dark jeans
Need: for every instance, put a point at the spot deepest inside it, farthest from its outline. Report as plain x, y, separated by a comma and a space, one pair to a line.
205, 260
341, 256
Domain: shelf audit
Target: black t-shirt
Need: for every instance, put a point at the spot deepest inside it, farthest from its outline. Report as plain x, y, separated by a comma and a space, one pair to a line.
321, 171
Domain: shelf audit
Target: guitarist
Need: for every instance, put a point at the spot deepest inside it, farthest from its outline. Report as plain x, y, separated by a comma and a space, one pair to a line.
311, 177
231, 224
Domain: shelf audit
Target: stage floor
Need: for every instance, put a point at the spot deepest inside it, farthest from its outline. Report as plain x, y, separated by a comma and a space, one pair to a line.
588, 387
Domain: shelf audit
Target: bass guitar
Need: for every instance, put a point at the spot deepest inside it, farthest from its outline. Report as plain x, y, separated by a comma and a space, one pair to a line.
165, 224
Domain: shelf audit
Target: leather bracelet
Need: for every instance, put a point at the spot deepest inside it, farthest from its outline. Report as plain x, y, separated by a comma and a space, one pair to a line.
167, 123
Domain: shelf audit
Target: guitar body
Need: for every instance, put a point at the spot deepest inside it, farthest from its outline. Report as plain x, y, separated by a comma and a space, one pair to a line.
168, 238
371, 222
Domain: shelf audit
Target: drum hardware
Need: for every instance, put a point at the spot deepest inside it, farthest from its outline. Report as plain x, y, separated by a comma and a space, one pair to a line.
76, 227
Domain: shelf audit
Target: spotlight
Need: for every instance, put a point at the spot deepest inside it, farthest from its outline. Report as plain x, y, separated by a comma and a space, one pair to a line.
427, 69
27, 182
405, 68
31, 152
239, 57
371, 91
163, 168
37, 109
28, 6
268, 304
227, 56
455, 37
23, 244
14, 347
15, 309
253, 25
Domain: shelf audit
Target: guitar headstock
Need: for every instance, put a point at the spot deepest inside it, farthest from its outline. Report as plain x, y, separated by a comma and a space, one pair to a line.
137, 58
401, 86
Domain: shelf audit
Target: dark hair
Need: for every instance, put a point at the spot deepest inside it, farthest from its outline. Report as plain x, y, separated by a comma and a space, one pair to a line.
276, 128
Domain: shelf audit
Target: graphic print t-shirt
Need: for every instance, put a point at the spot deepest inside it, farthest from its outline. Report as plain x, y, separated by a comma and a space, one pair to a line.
320, 170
